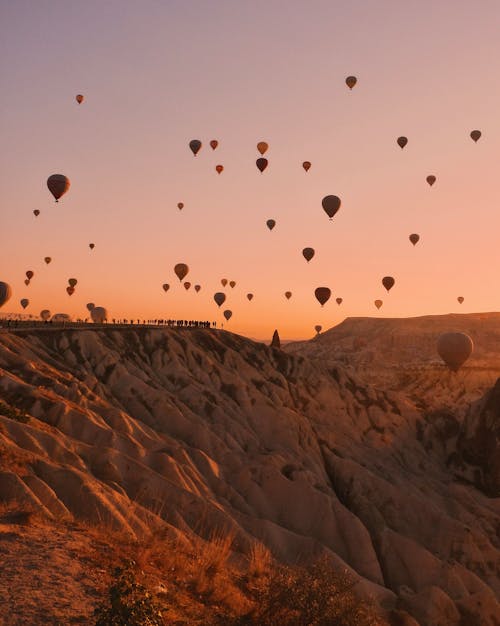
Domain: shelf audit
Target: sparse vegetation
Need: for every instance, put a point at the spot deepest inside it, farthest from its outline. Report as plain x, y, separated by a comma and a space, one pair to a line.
13, 413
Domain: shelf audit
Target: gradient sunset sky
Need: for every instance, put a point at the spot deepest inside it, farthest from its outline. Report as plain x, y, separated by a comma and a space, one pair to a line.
156, 74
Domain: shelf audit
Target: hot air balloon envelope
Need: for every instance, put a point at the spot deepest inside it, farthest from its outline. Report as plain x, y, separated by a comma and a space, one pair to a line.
181, 270
58, 185
454, 349
322, 295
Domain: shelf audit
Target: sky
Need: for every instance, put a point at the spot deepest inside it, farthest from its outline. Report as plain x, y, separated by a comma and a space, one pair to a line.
156, 74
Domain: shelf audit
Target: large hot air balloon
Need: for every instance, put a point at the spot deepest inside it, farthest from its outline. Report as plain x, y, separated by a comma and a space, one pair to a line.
99, 315
24, 302
219, 298
45, 315
308, 253
180, 205
475, 135
90, 306
306, 165
48, 259
338, 301
261, 164
414, 238
166, 287
318, 328
322, 294
271, 224
91, 246
378, 303
187, 285
388, 282
195, 145
350, 81
181, 270
249, 296
79, 98
331, 204
288, 295
223, 282
228, 314
72, 282
5, 293
402, 141
431, 179
197, 288
460, 299
232, 284
70, 290
29, 274
219, 168
58, 185
214, 143
36, 212
262, 147
454, 348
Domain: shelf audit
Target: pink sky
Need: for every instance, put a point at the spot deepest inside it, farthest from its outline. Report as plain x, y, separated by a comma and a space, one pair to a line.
157, 74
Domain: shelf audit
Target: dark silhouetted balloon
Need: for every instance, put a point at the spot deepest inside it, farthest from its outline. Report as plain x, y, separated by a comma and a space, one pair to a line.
228, 314
219, 298
166, 287
180, 205
27, 281
214, 143
187, 285
48, 259
58, 185
378, 303
261, 164
460, 299
249, 296
223, 282
232, 284
322, 294
414, 238
402, 141
91, 246
454, 349
181, 270
72, 282
475, 135
306, 165
36, 212
90, 306
29, 274
388, 282
331, 204
350, 81
219, 168
195, 145
24, 302
431, 179
318, 328
79, 98
338, 301
70, 290
288, 295
262, 147
197, 288
308, 253
99, 315
5, 293
271, 224
45, 314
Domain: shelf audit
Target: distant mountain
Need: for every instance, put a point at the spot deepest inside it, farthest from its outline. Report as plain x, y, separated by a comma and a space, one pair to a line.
199, 430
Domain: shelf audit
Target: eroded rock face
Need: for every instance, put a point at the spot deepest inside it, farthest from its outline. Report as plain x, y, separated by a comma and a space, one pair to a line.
200, 429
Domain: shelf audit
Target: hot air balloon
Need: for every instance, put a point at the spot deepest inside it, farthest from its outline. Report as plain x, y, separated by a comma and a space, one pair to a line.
414, 238
228, 314
195, 145
45, 314
331, 204
180, 205
271, 224
223, 282
91, 246
232, 284
197, 288
72, 282
306, 165
90, 306
378, 303
24, 302
5, 293
79, 98
460, 299
219, 298
350, 81
36, 212
322, 294
27, 281
48, 259
308, 253
388, 282
187, 285
181, 270
431, 179
262, 147
58, 185
219, 168
29, 274
338, 301
402, 141
70, 290
249, 296
454, 348
61, 317
261, 164
318, 328
214, 143
288, 295
99, 315
475, 135
166, 287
